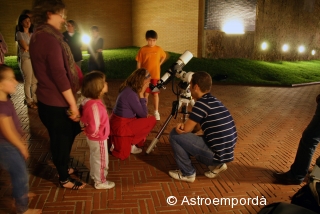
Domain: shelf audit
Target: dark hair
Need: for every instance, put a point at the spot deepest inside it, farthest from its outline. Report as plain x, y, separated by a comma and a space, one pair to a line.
26, 12
3, 68
135, 80
94, 27
92, 85
20, 25
203, 80
41, 8
73, 23
151, 34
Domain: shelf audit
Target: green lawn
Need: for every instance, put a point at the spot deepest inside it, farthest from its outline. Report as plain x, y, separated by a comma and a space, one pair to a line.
121, 62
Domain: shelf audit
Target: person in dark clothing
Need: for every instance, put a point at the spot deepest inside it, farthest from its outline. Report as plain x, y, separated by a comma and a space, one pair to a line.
58, 82
95, 50
73, 38
309, 140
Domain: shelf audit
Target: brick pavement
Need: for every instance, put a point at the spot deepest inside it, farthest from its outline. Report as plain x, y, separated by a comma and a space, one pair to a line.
270, 121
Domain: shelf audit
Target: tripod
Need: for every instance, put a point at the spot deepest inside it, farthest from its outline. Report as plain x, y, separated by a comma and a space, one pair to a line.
183, 100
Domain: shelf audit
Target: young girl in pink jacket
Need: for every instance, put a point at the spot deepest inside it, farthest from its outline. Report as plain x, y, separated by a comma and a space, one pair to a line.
95, 119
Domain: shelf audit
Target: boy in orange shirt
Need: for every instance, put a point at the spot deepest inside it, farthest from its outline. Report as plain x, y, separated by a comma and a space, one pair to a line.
151, 58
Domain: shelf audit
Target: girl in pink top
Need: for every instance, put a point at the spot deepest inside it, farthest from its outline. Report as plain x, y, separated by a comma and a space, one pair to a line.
95, 120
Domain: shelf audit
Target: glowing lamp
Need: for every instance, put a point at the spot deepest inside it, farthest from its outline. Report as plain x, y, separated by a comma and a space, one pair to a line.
264, 46
301, 49
285, 48
233, 27
85, 39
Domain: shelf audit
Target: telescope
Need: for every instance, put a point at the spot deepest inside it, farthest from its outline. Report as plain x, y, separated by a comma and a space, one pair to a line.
183, 95
175, 70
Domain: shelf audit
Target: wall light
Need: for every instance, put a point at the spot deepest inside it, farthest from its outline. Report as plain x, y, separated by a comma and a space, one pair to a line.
264, 46
234, 26
301, 49
285, 48
313, 52
85, 39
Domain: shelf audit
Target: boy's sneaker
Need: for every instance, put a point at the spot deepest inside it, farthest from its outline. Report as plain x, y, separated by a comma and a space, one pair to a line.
176, 174
215, 170
135, 150
157, 115
106, 185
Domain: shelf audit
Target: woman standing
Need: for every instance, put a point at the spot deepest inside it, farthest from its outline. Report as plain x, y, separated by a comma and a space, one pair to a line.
3, 49
95, 47
30, 82
130, 123
73, 38
58, 81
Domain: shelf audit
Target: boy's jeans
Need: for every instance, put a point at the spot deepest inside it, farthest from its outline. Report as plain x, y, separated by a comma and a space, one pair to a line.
12, 161
186, 145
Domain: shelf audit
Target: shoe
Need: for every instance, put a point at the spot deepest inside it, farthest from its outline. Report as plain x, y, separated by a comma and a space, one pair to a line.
286, 179
106, 185
176, 174
32, 105
215, 170
111, 148
77, 184
135, 150
157, 115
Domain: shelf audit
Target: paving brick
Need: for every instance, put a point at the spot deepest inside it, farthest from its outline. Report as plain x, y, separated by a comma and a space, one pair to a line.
269, 130
150, 206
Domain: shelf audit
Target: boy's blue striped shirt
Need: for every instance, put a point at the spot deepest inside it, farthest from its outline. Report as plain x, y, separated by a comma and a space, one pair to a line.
220, 132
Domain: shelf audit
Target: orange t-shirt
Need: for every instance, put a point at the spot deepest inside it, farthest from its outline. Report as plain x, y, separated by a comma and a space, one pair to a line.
149, 58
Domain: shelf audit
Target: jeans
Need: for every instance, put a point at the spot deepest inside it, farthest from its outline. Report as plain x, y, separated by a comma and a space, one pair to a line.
62, 132
189, 144
308, 143
12, 161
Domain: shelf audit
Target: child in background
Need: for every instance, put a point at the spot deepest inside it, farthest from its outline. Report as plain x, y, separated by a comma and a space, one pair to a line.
95, 49
13, 152
151, 58
95, 119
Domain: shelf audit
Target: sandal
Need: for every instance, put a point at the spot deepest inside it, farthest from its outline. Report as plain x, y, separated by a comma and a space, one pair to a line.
76, 184
73, 171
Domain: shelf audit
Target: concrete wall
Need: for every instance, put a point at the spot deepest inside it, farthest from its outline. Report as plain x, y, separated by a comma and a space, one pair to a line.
176, 23
294, 22
220, 45
112, 17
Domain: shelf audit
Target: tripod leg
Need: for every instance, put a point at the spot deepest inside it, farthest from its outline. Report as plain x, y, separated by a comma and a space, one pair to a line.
156, 139
174, 110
